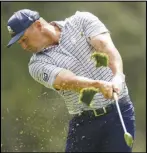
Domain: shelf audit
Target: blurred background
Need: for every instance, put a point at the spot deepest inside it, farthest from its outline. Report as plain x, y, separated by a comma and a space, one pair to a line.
34, 118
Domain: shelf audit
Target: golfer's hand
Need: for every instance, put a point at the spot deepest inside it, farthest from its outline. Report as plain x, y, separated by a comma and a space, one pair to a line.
106, 88
117, 83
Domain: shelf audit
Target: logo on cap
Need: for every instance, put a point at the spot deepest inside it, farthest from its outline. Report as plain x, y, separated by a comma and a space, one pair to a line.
10, 30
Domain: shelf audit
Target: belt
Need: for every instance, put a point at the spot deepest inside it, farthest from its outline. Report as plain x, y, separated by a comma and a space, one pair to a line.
98, 112
104, 110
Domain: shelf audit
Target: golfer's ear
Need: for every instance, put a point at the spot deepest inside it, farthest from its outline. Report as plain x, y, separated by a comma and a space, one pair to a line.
38, 25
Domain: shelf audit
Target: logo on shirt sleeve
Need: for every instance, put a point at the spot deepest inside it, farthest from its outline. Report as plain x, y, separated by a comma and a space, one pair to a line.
45, 77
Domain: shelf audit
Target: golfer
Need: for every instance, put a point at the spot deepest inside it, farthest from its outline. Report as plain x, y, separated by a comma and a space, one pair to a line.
61, 61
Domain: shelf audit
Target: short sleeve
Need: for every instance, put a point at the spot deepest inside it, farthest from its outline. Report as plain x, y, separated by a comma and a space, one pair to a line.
91, 24
44, 73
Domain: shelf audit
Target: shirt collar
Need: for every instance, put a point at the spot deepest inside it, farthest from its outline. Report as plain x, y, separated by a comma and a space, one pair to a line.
60, 24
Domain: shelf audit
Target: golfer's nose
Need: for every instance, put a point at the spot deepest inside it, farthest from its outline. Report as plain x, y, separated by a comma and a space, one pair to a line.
23, 45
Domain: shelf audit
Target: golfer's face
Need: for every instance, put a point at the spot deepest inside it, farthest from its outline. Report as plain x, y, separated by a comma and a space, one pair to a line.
31, 40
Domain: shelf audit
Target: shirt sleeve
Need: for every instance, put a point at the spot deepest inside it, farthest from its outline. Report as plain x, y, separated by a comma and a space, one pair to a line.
44, 73
91, 24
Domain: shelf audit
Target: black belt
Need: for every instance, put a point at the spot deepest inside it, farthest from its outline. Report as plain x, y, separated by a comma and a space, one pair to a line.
104, 110
98, 112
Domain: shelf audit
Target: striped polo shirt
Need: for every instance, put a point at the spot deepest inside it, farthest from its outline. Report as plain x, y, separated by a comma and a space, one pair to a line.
73, 53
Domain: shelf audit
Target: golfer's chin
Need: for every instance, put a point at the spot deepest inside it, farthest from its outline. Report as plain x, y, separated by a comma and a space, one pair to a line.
33, 50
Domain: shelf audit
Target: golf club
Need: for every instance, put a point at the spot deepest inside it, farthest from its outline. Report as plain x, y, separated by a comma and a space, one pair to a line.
127, 136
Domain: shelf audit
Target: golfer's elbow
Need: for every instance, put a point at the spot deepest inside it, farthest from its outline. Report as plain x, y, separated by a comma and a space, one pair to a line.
64, 80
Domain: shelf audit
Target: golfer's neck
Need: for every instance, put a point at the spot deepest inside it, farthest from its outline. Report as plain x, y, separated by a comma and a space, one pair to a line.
57, 34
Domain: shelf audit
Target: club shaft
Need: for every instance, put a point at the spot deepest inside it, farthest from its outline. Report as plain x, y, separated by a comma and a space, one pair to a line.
119, 113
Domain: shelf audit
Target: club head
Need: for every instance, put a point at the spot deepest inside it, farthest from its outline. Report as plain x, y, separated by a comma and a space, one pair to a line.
129, 139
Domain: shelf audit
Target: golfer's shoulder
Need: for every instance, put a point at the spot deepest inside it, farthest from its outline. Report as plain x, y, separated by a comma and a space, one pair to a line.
38, 58
83, 15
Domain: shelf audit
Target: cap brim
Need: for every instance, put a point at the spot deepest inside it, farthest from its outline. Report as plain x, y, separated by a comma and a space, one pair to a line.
15, 39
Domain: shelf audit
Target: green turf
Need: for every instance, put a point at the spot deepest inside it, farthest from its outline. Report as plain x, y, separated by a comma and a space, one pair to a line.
101, 59
87, 94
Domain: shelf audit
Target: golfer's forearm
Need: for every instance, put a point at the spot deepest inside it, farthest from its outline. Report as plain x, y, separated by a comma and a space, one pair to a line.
115, 61
68, 81
103, 43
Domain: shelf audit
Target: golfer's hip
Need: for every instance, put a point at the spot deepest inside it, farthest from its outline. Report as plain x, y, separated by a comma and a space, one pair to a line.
127, 108
109, 122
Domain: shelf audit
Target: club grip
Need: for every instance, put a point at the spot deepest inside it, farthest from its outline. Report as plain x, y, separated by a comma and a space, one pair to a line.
115, 95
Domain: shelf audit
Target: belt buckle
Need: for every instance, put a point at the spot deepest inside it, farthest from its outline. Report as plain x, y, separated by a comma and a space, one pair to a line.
95, 113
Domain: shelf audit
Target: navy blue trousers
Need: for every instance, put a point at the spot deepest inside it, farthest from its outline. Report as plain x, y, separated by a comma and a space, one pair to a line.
88, 133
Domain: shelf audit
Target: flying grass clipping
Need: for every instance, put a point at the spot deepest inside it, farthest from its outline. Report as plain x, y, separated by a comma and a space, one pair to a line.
87, 94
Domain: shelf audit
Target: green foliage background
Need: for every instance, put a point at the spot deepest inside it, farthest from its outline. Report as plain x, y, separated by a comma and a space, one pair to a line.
35, 118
